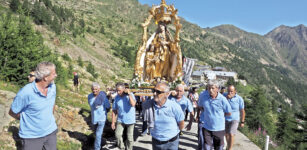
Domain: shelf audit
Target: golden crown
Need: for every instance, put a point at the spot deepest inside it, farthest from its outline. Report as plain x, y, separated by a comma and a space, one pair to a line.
163, 13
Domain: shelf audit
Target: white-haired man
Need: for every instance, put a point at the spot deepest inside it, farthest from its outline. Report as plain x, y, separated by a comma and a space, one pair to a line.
99, 104
34, 106
214, 106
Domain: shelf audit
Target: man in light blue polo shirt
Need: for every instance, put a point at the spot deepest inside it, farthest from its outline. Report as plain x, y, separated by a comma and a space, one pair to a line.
124, 112
99, 104
200, 119
184, 103
168, 119
34, 107
214, 106
237, 104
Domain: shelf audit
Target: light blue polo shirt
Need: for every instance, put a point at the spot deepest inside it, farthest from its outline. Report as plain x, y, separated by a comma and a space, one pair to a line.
98, 113
36, 111
125, 112
237, 104
201, 115
214, 110
184, 103
166, 122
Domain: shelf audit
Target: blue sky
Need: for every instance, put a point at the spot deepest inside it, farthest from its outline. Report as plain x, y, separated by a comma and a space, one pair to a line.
257, 16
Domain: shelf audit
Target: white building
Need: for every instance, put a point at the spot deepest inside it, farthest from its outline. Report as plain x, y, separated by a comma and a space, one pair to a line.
198, 76
220, 75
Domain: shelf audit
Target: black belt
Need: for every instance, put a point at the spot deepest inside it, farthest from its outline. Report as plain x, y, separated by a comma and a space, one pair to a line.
164, 142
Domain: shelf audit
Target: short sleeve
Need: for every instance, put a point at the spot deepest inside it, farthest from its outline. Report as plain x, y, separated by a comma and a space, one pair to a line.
241, 103
106, 102
88, 99
114, 106
20, 102
190, 106
199, 102
226, 106
179, 116
133, 96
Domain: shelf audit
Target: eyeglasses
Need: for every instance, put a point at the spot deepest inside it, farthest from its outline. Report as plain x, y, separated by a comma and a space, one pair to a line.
31, 75
157, 91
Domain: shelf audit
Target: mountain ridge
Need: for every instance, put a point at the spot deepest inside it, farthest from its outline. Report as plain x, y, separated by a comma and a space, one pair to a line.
107, 33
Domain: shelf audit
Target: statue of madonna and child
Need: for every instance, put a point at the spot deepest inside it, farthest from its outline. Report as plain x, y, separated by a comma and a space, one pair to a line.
159, 57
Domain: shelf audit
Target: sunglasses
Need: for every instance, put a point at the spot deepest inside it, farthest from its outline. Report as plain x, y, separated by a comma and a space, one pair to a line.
31, 75
157, 91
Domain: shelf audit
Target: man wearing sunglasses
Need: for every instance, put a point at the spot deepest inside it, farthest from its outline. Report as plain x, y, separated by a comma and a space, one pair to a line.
31, 76
168, 119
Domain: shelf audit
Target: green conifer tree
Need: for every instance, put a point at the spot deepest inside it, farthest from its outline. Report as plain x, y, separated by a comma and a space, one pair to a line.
37, 14
285, 128
301, 140
80, 62
259, 112
56, 26
26, 7
14, 5
21, 49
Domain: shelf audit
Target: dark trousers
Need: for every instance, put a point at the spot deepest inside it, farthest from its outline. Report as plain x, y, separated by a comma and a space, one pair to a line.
186, 115
144, 127
47, 142
168, 145
214, 139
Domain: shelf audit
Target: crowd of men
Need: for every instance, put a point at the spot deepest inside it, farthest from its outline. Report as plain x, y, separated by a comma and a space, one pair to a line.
218, 115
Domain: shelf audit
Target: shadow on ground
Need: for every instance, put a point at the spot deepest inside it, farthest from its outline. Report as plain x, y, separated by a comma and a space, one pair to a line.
87, 141
14, 130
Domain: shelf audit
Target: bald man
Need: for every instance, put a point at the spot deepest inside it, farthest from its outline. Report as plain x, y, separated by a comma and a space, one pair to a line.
232, 122
168, 119
184, 103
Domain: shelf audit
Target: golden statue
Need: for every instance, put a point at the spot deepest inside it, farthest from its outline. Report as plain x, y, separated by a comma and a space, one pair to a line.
159, 57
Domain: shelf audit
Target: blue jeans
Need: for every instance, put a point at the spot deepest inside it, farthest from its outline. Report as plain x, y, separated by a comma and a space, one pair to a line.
200, 137
167, 146
98, 133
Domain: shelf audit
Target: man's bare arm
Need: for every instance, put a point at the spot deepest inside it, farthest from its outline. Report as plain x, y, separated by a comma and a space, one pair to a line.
114, 117
131, 100
228, 114
181, 125
242, 112
188, 127
16, 116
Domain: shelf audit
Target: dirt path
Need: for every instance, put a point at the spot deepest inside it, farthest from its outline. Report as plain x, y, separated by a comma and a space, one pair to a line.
188, 141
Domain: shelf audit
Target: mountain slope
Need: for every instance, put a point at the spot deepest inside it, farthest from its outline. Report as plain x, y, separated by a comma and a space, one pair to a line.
253, 56
292, 45
272, 70
107, 33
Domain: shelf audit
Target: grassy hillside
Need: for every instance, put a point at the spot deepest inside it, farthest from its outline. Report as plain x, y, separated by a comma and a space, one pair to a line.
106, 34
